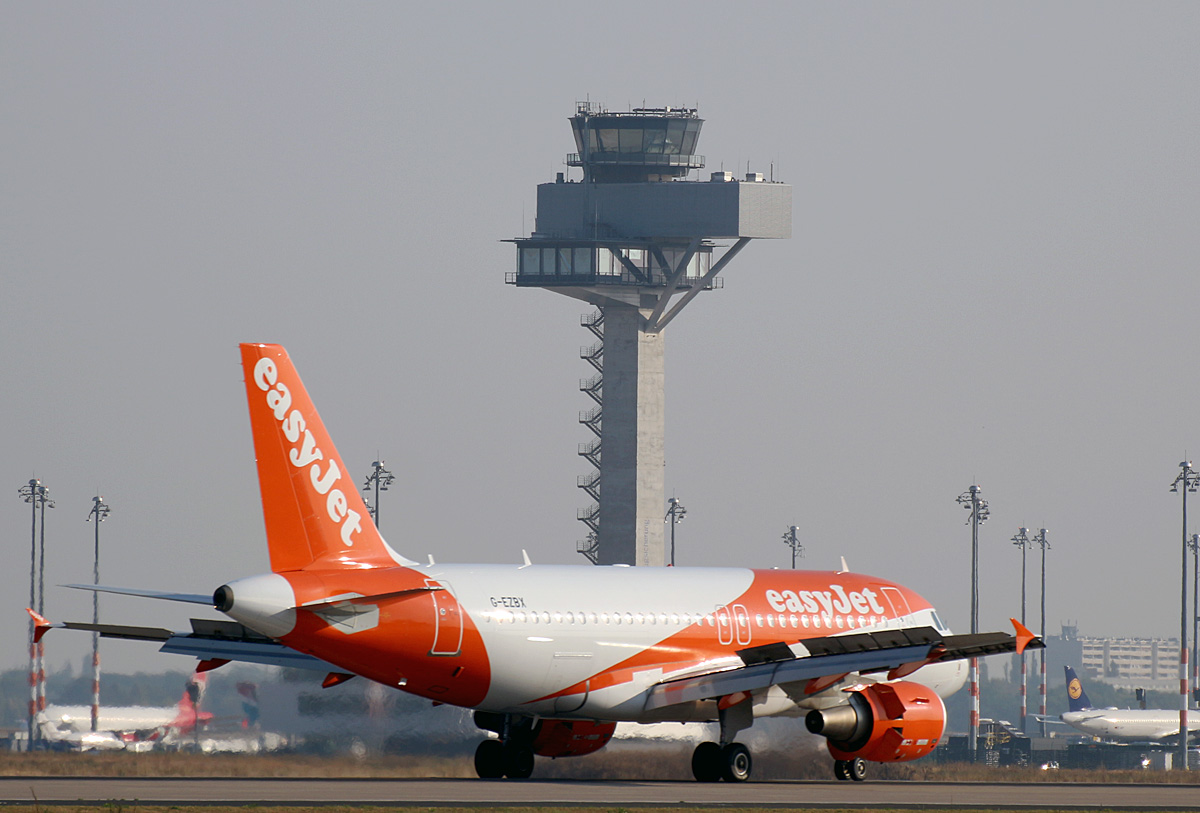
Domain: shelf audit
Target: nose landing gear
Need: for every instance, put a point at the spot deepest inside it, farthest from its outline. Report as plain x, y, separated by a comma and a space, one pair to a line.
850, 769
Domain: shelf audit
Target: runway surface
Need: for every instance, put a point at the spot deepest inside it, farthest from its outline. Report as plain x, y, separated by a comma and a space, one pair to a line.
468, 792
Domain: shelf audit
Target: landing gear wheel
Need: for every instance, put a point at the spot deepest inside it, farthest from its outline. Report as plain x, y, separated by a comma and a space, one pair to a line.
735, 763
857, 769
518, 762
707, 762
489, 759
841, 769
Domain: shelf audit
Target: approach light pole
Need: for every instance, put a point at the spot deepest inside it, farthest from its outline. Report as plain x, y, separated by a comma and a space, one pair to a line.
675, 514
1021, 540
98, 514
380, 478
978, 507
794, 543
1187, 480
1042, 542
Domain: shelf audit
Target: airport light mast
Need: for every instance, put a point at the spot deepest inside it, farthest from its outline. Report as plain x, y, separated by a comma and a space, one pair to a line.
380, 478
29, 493
1022, 541
98, 514
38, 497
1042, 542
627, 237
1187, 480
978, 507
791, 539
675, 514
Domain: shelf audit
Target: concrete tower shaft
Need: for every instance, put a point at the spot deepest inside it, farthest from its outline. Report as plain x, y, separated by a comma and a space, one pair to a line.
628, 238
631, 472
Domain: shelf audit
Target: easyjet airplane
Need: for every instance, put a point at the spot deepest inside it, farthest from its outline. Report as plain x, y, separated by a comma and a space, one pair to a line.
552, 658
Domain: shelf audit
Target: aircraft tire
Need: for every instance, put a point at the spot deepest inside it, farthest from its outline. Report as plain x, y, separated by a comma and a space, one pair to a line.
841, 770
707, 760
857, 769
736, 764
489, 759
518, 762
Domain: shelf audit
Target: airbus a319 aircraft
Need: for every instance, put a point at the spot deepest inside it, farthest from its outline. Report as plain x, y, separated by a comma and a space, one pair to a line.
1138, 725
552, 658
120, 727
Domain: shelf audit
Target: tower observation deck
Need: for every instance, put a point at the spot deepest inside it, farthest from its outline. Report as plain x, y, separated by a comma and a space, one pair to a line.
638, 241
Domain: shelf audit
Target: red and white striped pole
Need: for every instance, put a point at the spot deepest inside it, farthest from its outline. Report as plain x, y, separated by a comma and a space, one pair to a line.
1021, 540
1024, 701
974, 703
32, 692
1189, 479
1042, 690
98, 514
30, 493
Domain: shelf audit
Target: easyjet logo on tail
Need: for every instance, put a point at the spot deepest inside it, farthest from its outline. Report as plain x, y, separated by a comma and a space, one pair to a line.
304, 452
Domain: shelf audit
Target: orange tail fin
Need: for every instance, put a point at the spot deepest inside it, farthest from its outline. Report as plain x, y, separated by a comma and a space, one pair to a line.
313, 512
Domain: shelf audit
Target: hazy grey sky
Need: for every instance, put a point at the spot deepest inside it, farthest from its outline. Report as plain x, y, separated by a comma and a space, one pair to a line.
993, 277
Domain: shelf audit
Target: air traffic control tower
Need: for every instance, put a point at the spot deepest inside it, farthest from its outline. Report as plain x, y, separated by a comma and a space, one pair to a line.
629, 237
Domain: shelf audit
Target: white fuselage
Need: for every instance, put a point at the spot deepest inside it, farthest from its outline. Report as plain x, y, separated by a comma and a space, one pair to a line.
1129, 724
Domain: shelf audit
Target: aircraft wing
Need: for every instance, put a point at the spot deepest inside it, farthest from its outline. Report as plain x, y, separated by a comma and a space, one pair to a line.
822, 662
217, 641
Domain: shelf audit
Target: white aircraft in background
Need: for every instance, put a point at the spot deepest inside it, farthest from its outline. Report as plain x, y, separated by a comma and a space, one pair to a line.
1141, 725
553, 657
120, 727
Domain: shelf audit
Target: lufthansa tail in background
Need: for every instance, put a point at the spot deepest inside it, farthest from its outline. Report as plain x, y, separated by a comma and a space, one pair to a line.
553, 657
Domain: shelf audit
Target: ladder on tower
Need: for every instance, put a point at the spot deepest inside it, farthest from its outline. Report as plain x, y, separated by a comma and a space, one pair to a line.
592, 387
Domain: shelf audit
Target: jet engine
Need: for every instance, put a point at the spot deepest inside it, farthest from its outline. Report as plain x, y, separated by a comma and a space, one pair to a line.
885, 722
570, 738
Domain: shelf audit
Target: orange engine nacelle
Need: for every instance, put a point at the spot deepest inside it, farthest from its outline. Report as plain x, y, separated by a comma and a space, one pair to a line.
885, 722
570, 738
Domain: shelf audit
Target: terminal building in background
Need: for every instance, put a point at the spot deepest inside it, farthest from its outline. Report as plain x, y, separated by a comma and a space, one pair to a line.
1126, 663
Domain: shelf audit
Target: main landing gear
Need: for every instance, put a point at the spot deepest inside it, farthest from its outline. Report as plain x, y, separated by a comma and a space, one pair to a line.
850, 769
496, 760
712, 762
511, 756
728, 760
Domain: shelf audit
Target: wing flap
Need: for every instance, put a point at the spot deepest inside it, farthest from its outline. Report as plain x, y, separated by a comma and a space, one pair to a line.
899, 651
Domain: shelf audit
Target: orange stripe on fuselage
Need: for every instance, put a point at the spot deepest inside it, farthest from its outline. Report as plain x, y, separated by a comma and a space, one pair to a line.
772, 594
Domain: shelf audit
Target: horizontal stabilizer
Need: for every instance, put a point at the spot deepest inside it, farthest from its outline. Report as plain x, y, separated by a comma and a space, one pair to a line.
189, 598
211, 640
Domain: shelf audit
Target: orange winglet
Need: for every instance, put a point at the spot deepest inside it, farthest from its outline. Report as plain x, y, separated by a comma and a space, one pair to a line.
211, 664
334, 678
1024, 636
40, 625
